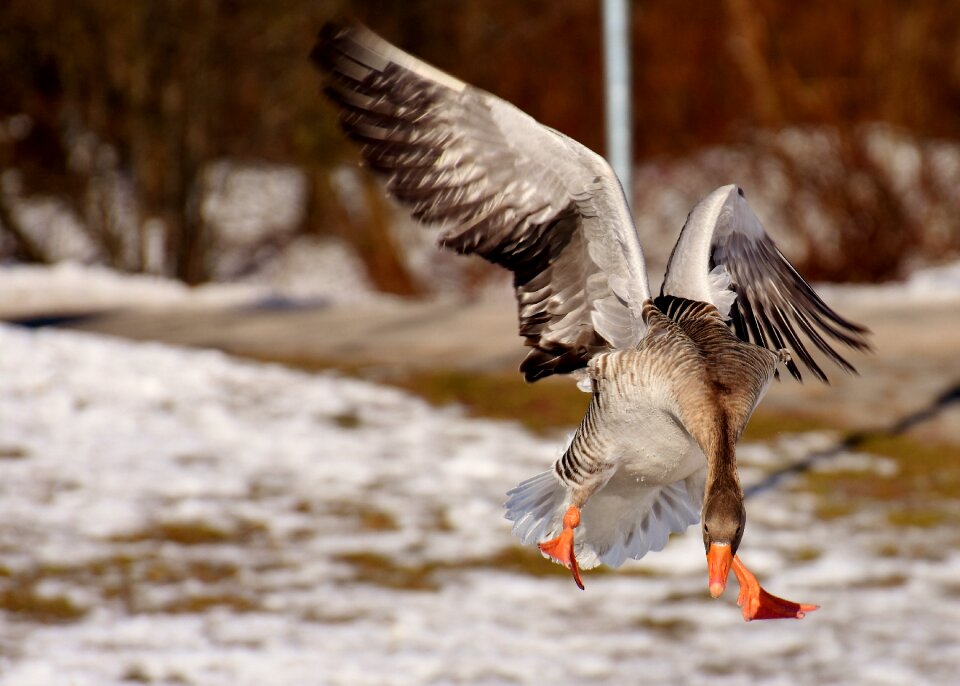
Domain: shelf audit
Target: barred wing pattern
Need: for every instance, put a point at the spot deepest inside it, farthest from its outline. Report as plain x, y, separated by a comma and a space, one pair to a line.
511, 190
774, 307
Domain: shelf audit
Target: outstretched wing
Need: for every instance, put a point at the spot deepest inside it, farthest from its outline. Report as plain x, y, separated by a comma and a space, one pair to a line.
517, 193
722, 251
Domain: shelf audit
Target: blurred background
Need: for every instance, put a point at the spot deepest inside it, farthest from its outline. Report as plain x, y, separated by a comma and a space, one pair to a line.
129, 133
294, 472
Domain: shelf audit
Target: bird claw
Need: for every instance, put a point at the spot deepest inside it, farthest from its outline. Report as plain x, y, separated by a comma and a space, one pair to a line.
560, 549
763, 605
756, 603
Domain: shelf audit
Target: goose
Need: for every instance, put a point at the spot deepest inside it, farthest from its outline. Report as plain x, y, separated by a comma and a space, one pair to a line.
673, 378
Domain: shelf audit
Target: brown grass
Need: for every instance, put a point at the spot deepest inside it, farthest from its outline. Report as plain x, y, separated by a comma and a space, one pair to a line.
13, 452
193, 533
544, 406
921, 492
367, 517
22, 601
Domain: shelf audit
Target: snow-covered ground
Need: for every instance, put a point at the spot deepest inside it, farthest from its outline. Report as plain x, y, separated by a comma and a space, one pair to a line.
174, 516
29, 289
929, 285
319, 270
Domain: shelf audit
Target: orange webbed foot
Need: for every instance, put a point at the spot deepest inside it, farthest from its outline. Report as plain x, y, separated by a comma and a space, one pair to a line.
758, 604
561, 547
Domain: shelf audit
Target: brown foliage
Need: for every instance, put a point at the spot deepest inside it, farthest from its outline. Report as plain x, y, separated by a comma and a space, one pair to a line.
164, 88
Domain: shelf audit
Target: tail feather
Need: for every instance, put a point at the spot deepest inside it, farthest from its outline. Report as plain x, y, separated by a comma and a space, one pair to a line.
624, 520
536, 507
617, 526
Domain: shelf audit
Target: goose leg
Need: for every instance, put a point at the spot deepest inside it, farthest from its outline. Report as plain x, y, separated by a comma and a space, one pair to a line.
758, 604
561, 547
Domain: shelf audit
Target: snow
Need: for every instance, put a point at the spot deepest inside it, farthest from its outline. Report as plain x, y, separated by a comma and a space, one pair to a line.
936, 284
73, 287
249, 203
311, 271
254, 212
348, 533
48, 221
922, 172
249, 207
314, 268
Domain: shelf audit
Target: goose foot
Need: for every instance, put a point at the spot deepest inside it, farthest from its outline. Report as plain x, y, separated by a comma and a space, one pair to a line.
561, 547
758, 604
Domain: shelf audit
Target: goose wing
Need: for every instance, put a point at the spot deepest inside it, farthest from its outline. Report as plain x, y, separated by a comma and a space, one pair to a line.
511, 190
725, 257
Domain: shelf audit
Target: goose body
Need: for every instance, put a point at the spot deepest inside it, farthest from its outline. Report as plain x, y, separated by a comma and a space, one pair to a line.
673, 379
639, 453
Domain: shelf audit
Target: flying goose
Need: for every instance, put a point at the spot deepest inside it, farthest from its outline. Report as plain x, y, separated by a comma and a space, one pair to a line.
673, 378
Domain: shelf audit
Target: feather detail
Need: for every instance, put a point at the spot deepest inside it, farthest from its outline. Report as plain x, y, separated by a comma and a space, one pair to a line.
509, 189
536, 507
723, 248
722, 295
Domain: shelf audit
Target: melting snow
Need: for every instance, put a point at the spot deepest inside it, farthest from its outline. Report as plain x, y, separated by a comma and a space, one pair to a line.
210, 521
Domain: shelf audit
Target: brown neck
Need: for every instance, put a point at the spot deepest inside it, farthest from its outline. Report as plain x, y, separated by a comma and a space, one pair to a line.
722, 459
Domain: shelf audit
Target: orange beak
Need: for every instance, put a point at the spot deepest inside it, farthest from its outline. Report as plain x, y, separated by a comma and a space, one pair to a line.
719, 559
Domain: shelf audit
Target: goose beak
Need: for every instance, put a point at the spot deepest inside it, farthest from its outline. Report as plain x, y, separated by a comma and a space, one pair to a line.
719, 559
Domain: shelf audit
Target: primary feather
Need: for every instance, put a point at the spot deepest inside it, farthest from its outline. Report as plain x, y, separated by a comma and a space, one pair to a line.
511, 190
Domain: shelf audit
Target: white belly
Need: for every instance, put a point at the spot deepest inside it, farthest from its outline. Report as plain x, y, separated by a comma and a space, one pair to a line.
650, 445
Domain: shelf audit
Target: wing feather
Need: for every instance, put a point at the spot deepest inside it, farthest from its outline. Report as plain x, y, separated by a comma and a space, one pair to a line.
509, 189
774, 307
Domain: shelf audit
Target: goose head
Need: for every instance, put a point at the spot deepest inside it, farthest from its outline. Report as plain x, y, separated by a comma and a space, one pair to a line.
724, 519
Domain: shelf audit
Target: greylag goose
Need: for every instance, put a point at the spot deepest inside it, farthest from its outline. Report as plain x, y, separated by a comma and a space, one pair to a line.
673, 378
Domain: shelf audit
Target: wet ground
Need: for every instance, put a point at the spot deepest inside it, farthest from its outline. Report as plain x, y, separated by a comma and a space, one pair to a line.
175, 516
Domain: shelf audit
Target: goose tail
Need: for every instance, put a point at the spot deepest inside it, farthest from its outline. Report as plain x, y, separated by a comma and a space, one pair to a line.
536, 508
623, 520
626, 520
